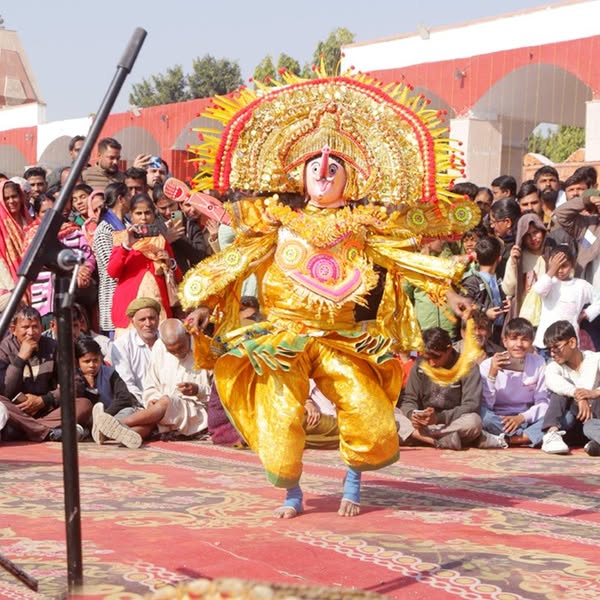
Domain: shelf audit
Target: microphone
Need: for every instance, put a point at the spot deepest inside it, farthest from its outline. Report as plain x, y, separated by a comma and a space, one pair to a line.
69, 259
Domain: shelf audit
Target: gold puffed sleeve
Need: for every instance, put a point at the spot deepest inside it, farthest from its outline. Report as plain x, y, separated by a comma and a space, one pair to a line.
255, 236
433, 274
395, 317
206, 283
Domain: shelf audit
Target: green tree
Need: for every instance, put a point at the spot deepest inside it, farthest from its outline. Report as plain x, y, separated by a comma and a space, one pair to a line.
331, 50
265, 68
161, 89
557, 145
211, 76
289, 64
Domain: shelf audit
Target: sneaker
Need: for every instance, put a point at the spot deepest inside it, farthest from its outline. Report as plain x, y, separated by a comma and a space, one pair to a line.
56, 434
592, 448
554, 444
97, 435
450, 441
489, 440
107, 427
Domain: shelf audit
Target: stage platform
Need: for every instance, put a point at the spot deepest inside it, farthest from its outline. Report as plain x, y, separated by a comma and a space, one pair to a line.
476, 524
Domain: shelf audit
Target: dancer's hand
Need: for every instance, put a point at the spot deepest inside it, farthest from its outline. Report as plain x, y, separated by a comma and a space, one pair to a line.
459, 304
197, 320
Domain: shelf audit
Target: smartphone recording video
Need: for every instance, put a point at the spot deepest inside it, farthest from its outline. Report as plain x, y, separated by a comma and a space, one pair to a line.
143, 231
20, 397
515, 364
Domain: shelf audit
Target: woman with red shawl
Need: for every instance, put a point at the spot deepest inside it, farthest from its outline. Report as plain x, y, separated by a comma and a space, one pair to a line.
13, 219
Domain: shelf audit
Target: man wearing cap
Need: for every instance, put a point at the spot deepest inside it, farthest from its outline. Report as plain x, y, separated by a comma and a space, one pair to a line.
175, 394
132, 351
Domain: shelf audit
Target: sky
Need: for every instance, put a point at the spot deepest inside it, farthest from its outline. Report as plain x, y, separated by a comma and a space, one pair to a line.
74, 46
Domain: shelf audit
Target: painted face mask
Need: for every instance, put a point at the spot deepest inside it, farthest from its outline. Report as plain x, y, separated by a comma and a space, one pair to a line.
325, 180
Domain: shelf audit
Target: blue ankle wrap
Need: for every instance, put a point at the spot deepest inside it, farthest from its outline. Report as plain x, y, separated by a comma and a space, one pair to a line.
293, 498
352, 486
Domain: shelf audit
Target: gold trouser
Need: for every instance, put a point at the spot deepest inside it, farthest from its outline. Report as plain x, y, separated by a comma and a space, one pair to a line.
268, 408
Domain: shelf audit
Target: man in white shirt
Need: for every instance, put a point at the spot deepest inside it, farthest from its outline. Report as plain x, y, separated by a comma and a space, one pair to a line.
573, 377
175, 393
131, 352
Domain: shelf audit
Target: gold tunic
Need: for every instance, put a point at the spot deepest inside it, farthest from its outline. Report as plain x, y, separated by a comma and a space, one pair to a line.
312, 266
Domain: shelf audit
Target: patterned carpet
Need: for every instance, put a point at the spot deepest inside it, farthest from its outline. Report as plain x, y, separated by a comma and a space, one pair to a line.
495, 524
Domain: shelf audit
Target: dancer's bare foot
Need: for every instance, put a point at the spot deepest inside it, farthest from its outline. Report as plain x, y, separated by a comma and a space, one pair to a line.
285, 512
348, 508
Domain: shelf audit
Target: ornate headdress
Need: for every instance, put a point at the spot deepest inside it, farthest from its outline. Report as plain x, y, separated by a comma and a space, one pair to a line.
393, 145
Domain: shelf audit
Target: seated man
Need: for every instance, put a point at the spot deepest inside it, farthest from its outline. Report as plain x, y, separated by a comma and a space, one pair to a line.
52, 330
28, 377
573, 378
515, 398
175, 394
437, 415
132, 351
320, 422
482, 332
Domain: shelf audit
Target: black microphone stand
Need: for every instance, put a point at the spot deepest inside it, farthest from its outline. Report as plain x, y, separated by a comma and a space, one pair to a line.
45, 249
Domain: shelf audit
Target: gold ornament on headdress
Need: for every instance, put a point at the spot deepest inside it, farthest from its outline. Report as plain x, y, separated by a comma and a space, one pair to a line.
392, 143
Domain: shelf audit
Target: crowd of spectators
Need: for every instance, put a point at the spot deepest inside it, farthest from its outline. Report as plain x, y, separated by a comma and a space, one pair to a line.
532, 275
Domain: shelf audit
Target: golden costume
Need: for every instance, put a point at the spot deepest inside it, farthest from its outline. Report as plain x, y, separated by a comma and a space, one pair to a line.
315, 264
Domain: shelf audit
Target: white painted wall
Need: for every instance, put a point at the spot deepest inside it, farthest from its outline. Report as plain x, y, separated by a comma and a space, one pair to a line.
48, 132
553, 23
24, 115
592, 130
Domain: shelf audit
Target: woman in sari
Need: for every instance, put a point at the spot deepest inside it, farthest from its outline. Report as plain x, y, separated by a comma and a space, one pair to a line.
13, 220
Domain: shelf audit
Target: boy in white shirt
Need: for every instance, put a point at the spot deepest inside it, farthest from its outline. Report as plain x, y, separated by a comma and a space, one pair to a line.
573, 377
563, 296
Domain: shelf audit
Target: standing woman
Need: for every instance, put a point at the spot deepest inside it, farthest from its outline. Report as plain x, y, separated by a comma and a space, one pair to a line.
143, 264
71, 235
526, 265
95, 211
504, 215
116, 202
13, 220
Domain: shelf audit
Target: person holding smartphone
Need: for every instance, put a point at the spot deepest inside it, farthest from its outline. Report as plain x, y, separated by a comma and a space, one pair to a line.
189, 250
433, 414
515, 397
482, 286
143, 264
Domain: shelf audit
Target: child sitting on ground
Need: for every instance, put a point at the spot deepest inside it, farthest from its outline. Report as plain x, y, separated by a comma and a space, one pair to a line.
102, 383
